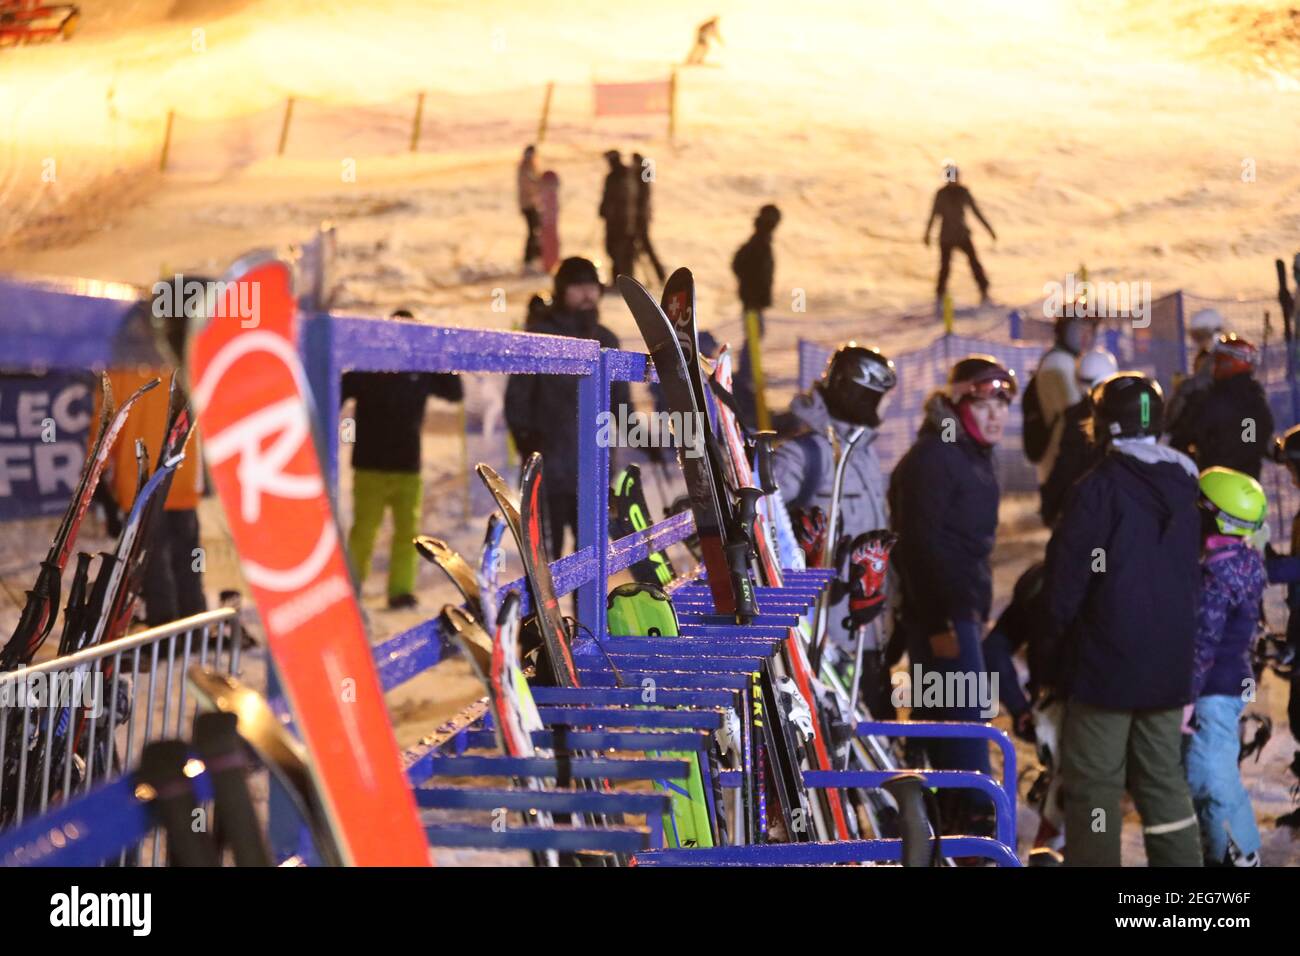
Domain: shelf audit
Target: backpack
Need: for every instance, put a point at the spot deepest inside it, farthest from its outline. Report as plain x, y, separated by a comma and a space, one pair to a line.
1037, 434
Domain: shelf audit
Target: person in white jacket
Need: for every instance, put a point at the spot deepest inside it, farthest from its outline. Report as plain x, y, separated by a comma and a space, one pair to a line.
1056, 384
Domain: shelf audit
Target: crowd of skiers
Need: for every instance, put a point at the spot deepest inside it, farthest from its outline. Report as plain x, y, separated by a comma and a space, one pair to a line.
1138, 626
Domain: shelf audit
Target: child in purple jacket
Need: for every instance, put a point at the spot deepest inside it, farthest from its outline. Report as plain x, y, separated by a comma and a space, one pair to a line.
1232, 584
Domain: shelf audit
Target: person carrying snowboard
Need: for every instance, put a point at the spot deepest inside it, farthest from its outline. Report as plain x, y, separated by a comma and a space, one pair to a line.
386, 458
943, 503
851, 392
1233, 508
754, 267
618, 208
542, 410
950, 205
1231, 424
1122, 576
529, 186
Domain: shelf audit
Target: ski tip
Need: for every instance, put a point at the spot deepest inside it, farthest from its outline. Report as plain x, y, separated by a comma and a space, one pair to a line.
429, 547
630, 288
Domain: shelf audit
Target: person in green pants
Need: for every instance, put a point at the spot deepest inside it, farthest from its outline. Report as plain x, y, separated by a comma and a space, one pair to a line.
1123, 570
386, 466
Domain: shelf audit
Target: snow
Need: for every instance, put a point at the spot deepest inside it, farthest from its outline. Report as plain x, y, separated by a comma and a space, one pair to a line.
1109, 133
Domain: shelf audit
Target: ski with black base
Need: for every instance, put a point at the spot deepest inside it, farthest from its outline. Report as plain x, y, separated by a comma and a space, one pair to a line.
524, 518
732, 593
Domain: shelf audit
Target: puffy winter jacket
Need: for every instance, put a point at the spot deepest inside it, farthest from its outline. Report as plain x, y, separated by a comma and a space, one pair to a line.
804, 469
1232, 583
1122, 577
1212, 426
754, 268
943, 503
542, 410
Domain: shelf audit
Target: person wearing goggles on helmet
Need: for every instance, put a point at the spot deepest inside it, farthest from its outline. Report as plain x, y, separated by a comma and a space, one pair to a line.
943, 499
1229, 423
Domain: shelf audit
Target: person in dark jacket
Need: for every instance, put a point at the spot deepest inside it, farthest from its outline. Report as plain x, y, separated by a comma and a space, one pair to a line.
542, 410
950, 205
618, 203
943, 504
388, 419
1076, 450
641, 170
1285, 569
1122, 573
1229, 423
754, 267
1232, 585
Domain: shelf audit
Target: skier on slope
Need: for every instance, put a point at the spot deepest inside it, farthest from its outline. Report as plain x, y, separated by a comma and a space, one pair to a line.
852, 392
754, 267
1053, 389
1122, 576
1230, 423
618, 203
1203, 329
1076, 450
542, 410
950, 204
943, 502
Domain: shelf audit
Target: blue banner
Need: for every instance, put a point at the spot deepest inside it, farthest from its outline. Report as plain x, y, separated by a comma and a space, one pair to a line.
45, 421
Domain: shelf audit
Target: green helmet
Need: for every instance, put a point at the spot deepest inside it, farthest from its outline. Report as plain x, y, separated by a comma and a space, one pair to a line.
1236, 500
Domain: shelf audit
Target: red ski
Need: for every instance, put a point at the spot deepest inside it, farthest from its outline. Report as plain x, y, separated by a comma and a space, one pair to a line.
252, 399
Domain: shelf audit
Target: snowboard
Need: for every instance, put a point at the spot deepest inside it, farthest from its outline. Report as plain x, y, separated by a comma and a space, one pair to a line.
630, 515
252, 396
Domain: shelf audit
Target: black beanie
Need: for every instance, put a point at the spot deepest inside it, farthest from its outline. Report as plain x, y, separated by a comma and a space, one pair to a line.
574, 270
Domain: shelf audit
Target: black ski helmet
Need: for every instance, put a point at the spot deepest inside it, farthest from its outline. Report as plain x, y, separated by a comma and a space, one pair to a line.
981, 376
1127, 405
855, 381
1286, 449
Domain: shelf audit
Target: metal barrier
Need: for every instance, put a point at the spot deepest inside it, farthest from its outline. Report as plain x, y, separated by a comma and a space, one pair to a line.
94, 700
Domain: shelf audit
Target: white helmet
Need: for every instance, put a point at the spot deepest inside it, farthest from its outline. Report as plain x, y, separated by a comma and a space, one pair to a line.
1093, 366
1206, 322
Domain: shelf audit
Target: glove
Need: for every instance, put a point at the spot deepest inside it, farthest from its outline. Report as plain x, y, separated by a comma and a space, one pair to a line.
868, 565
810, 532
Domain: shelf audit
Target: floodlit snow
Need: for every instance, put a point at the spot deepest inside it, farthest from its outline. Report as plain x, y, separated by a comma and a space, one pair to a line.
1151, 141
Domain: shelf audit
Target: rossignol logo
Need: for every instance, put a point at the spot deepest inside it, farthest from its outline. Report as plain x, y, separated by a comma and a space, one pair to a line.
77, 909
265, 443
679, 313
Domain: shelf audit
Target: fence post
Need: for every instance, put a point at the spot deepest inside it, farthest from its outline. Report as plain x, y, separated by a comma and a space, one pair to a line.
593, 493
415, 126
167, 142
546, 112
316, 346
284, 127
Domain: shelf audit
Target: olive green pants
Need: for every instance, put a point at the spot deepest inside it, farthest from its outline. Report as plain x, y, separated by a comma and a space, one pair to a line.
1104, 753
373, 493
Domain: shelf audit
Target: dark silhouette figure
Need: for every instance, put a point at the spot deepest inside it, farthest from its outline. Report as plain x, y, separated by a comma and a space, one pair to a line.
643, 245
705, 35
754, 267
618, 205
950, 204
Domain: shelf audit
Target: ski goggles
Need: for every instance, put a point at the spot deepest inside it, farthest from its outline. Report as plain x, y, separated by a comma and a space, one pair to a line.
986, 385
